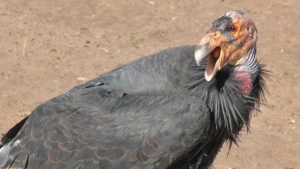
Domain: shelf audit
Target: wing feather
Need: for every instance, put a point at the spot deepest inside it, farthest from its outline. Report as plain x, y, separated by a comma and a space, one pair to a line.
134, 130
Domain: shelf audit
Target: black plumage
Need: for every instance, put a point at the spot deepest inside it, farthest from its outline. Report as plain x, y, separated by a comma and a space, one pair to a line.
155, 112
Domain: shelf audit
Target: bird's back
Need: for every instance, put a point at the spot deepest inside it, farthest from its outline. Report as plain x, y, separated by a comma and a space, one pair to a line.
136, 116
161, 72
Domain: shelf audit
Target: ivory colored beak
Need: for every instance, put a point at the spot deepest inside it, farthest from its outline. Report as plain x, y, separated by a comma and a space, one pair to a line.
210, 47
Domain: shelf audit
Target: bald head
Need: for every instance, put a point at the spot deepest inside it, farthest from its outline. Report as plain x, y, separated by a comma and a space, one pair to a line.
228, 40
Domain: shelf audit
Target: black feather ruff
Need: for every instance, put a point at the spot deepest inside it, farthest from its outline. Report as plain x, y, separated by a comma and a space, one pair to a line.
230, 108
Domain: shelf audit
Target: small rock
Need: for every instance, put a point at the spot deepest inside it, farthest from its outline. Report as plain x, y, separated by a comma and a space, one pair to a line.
151, 2
174, 18
81, 78
293, 121
104, 49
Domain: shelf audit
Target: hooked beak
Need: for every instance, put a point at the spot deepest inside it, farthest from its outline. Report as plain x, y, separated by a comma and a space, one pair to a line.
210, 46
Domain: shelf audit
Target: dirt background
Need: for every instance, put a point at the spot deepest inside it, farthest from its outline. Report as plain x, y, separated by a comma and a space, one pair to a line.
47, 47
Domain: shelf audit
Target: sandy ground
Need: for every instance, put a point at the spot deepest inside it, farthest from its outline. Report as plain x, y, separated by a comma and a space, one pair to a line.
47, 47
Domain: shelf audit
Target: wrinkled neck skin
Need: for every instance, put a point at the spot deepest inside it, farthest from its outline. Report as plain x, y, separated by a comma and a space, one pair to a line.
247, 71
231, 95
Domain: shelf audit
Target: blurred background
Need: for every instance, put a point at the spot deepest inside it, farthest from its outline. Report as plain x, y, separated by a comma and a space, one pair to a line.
47, 47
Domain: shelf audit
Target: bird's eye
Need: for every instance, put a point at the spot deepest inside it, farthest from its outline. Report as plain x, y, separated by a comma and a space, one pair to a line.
233, 28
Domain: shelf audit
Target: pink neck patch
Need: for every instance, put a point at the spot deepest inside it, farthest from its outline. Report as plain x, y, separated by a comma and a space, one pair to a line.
245, 80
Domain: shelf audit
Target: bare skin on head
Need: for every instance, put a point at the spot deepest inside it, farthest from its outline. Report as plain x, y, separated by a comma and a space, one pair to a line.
227, 42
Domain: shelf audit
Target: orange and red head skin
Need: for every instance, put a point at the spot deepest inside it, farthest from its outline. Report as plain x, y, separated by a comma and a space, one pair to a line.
227, 42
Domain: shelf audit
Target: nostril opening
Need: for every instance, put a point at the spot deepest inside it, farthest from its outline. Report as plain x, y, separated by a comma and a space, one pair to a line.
214, 34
